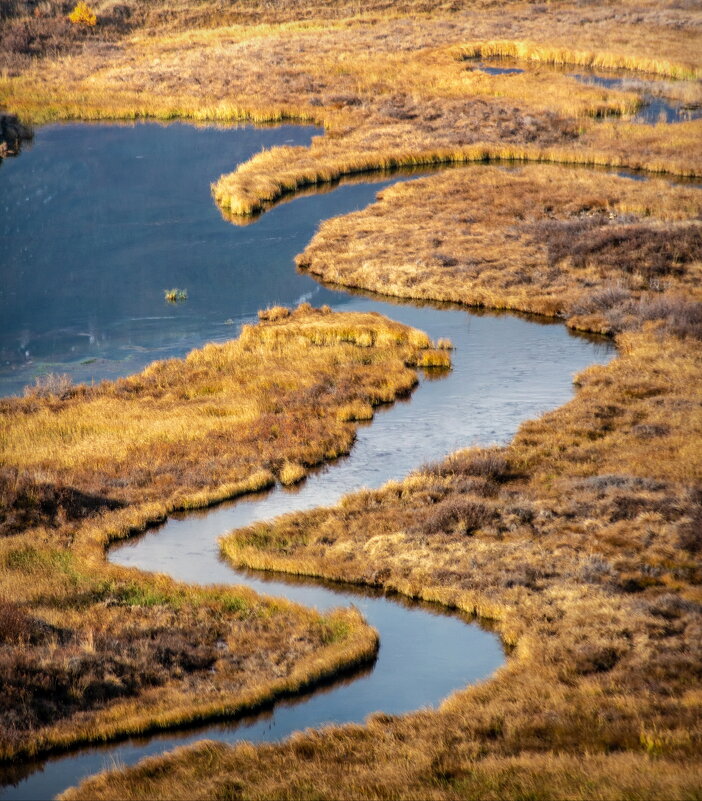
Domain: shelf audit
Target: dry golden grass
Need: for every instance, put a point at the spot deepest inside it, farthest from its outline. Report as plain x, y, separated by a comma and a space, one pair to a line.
541, 239
581, 539
554, 777
390, 83
581, 545
453, 132
582, 548
90, 651
531, 51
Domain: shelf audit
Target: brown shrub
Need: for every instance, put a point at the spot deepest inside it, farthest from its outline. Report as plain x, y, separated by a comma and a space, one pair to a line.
38, 36
25, 503
456, 515
690, 532
59, 385
595, 658
676, 315
488, 463
15, 624
680, 316
651, 252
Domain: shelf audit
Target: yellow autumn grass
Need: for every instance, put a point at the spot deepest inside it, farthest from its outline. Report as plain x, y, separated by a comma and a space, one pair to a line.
602, 59
580, 539
81, 467
505, 253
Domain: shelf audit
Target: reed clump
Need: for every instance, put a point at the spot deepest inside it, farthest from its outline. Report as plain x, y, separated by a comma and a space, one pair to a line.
175, 295
91, 651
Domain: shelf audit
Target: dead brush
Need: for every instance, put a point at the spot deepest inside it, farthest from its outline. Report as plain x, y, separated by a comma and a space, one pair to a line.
627, 249
51, 385
16, 626
490, 464
456, 516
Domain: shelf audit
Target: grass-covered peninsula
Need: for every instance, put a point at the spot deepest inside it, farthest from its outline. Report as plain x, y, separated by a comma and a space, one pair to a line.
581, 539
90, 651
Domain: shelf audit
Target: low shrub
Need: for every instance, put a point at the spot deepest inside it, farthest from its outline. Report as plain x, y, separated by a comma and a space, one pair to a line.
82, 14
487, 463
457, 516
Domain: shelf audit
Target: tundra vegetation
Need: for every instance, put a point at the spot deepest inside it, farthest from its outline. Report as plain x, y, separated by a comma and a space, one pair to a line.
90, 651
581, 538
604, 252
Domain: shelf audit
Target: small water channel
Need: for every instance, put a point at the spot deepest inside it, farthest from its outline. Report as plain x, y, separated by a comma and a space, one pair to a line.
661, 97
162, 230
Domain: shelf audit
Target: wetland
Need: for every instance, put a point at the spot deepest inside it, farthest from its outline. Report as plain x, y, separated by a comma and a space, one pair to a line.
511, 505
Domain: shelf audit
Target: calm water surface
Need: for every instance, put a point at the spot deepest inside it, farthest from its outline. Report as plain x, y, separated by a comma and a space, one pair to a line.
68, 297
657, 106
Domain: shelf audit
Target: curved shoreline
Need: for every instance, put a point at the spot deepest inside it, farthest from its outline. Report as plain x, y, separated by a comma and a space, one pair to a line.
316, 567
410, 157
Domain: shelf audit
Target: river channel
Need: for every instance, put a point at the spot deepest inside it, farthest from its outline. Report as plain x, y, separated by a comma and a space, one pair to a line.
97, 221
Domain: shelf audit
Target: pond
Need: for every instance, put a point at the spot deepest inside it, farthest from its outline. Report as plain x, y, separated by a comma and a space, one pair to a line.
660, 97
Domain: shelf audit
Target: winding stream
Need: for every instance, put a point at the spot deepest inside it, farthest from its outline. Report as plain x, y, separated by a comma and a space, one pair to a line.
506, 369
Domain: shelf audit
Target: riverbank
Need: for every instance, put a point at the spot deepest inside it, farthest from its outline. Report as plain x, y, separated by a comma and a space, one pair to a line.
579, 542
392, 85
580, 538
91, 651
603, 252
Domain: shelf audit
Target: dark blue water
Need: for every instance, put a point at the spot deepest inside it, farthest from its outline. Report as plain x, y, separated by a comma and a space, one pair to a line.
144, 190
97, 221
499, 70
655, 108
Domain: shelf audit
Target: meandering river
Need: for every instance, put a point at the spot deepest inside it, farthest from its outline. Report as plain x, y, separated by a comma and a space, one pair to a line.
96, 222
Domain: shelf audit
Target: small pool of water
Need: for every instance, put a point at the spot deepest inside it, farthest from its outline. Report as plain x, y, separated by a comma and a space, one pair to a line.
492, 70
658, 105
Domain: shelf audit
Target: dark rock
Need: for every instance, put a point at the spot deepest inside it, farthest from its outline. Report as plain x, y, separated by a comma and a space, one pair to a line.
12, 134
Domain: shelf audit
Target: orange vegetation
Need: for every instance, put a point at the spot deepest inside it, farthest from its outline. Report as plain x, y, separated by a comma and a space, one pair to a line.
89, 651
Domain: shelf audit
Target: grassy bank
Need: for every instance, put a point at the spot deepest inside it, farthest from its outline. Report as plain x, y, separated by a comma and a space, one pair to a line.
585, 551
581, 539
90, 651
598, 250
390, 82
